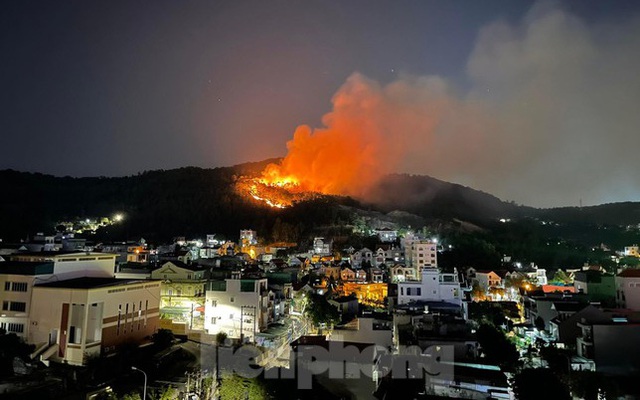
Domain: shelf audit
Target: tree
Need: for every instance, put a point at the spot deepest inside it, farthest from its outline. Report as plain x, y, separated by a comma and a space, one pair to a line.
540, 383
12, 346
320, 311
234, 387
497, 348
163, 338
221, 337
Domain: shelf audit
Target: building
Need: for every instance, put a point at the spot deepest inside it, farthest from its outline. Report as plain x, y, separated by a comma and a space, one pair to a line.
78, 318
182, 295
18, 278
322, 246
628, 289
386, 235
487, 279
597, 286
238, 307
632, 251
613, 345
402, 273
434, 286
422, 254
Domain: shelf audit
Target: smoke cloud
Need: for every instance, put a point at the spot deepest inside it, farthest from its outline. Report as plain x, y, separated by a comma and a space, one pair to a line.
550, 118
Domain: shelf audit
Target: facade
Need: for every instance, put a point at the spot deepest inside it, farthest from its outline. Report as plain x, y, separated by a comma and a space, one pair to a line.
632, 251
18, 278
178, 271
487, 279
597, 286
387, 235
402, 273
238, 307
628, 289
422, 255
84, 317
434, 286
612, 345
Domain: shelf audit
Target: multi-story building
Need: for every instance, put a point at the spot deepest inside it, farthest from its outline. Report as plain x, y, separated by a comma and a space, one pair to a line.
599, 287
613, 345
421, 255
434, 286
402, 273
78, 318
25, 270
182, 294
237, 307
632, 251
487, 279
628, 289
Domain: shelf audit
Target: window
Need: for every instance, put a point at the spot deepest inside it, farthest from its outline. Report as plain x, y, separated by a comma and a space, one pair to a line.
5, 305
213, 320
214, 303
231, 299
230, 316
419, 291
7, 286
119, 318
16, 328
18, 306
18, 286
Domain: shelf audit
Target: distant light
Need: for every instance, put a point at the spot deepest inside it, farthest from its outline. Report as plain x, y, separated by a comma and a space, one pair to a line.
87, 220
118, 217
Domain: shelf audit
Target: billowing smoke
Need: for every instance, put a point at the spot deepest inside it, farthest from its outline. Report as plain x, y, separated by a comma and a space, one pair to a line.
550, 117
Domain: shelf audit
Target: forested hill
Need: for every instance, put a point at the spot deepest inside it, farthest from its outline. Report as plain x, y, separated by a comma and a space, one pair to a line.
194, 201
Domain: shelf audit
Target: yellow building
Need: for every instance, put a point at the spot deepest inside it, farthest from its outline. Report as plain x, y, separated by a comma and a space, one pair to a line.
367, 293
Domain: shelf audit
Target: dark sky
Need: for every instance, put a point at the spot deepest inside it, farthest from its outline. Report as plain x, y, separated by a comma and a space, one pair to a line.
92, 88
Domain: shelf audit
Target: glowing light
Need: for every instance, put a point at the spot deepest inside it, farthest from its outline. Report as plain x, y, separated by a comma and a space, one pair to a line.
118, 217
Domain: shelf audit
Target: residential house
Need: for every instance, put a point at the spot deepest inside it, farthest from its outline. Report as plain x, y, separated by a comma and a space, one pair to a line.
238, 307
347, 274
628, 289
376, 275
599, 287
386, 235
613, 345
402, 273
434, 286
487, 280
422, 255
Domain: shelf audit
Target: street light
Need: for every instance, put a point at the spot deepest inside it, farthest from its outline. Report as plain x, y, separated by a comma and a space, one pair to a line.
144, 389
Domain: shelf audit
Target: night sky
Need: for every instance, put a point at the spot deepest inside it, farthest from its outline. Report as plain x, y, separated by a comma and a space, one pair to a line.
536, 102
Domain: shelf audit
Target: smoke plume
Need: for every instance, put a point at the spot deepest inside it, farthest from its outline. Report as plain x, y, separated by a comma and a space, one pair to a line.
550, 117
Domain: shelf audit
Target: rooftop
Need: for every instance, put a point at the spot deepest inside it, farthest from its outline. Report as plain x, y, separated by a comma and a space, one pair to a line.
91, 283
630, 273
26, 268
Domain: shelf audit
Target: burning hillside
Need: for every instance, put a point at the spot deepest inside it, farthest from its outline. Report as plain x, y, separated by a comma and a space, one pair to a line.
280, 194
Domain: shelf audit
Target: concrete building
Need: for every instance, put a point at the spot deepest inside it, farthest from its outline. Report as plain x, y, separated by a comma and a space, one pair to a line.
18, 278
597, 286
422, 254
78, 318
402, 273
434, 286
487, 279
237, 307
613, 345
628, 289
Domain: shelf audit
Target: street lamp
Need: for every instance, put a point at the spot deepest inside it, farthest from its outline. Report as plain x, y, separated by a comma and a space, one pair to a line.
144, 389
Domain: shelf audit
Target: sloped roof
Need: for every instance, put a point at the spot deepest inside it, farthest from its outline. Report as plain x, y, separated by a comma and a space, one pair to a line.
630, 273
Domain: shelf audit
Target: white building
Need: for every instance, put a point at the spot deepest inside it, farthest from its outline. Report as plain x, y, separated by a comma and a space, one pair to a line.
487, 279
237, 307
78, 318
632, 251
628, 289
434, 286
17, 279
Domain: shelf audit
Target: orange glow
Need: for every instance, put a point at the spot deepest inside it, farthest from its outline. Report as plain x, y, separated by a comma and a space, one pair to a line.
349, 154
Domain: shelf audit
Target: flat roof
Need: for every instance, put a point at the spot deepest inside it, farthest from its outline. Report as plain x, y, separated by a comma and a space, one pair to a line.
26, 268
92, 283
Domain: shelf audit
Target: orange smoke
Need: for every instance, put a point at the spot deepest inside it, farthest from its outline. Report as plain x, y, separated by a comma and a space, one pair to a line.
364, 137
